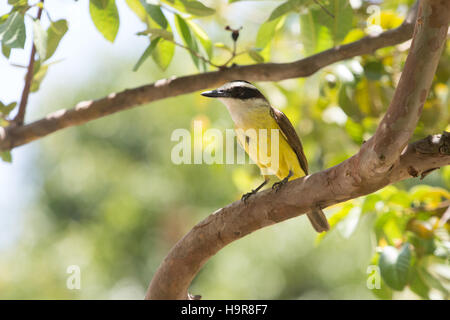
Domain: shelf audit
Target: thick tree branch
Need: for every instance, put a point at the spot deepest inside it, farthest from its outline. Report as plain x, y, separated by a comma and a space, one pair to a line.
334, 185
381, 161
400, 120
11, 137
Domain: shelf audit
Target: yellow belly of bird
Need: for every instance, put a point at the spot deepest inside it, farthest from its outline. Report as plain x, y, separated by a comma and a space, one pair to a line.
275, 160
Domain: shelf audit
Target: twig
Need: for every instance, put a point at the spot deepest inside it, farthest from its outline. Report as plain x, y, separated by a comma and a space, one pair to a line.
233, 55
234, 37
19, 118
324, 9
18, 66
48, 15
200, 56
195, 53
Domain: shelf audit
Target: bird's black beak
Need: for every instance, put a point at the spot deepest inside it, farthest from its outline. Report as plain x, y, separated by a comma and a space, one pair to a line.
214, 94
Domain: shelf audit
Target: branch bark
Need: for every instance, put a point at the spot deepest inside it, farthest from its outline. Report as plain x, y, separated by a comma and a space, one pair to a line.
13, 136
381, 161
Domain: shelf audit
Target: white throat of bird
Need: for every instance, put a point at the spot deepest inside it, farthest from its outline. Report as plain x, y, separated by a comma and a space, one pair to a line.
244, 110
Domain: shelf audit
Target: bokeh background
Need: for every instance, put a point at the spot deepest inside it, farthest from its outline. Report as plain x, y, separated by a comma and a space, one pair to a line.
105, 196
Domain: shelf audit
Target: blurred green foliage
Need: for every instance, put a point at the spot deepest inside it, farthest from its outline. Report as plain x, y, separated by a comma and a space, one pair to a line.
109, 199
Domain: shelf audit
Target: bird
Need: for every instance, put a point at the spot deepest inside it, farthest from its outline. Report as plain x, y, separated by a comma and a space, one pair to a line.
250, 110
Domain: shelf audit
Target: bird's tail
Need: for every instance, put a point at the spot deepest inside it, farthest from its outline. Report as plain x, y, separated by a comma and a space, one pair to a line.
318, 220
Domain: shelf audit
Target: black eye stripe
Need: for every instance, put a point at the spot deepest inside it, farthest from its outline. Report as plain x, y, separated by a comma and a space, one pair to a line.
245, 93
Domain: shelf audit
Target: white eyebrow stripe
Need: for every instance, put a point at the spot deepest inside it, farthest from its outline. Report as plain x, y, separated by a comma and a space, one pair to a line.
241, 84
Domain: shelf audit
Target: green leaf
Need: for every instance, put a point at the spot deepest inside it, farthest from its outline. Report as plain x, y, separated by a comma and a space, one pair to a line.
38, 76
192, 7
384, 293
446, 175
185, 33
222, 46
162, 33
12, 31
163, 54
19, 5
55, 32
355, 130
5, 110
381, 220
6, 51
374, 70
314, 36
354, 35
254, 54
347, 102
202, 36
105, 16
392, 228
369, 204
155, 13
40, 39
6, 156
3, 18
395, 266
163, 51
417, 284
266, 32
288, 6
197, 8
137, 7
341, 23
17, 2
146, 53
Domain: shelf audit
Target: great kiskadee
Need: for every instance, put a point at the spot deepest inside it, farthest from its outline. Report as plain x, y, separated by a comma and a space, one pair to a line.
249, 109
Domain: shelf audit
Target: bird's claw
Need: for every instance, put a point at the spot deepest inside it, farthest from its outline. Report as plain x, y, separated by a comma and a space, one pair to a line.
247, 195
277, 185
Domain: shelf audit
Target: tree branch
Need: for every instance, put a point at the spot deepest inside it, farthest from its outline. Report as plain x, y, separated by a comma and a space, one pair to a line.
328, 187
18, 119
400, 120
381, 161
14, 136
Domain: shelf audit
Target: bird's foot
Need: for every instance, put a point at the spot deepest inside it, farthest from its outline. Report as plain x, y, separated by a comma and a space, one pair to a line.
248, 195
278, 185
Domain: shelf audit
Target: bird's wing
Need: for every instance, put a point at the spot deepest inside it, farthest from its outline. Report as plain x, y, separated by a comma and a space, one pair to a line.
291, 136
